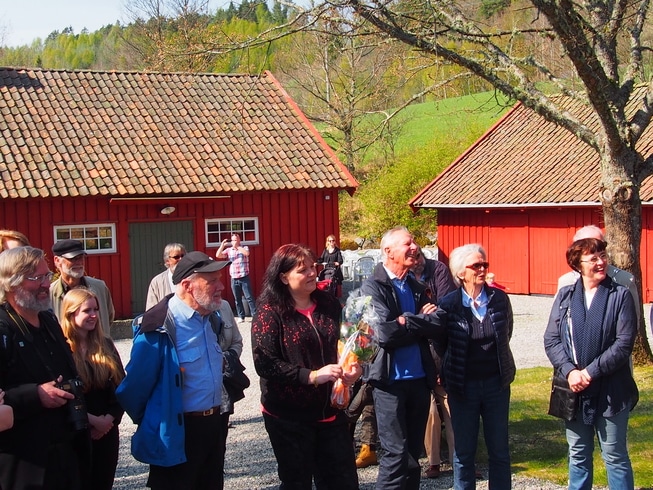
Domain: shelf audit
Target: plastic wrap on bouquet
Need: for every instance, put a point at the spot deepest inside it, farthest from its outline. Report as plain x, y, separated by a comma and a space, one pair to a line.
358, 344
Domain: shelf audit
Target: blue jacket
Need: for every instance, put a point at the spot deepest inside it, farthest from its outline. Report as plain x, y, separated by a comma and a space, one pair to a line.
455, 341
151, 391
611, 369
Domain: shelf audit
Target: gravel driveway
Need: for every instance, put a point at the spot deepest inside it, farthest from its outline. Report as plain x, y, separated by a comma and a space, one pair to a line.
250, 463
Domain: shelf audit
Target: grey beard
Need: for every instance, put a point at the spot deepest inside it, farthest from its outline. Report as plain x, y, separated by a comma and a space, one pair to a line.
28, 301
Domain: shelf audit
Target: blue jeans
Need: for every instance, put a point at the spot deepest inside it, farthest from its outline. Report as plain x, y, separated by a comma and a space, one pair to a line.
482, 399
611, 433
241, 287
402, 409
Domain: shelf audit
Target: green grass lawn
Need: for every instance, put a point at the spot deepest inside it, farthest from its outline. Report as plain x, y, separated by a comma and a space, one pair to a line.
538, 445
423, 121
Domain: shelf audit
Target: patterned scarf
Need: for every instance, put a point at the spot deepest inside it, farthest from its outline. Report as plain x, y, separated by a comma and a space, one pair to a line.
587, 336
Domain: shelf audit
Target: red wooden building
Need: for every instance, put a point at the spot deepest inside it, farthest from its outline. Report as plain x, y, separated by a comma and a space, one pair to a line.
127, 162
522, 190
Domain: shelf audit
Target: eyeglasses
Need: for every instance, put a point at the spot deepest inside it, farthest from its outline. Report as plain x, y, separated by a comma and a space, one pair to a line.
330, 240
478, 266
41, 277
595, 259
177, 257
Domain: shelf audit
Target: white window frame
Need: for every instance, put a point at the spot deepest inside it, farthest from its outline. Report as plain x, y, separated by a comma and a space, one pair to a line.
87, 232
249, 235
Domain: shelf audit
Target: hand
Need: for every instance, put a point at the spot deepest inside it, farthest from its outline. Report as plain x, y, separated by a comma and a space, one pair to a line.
327, 373
350, 377
578, 380
51, 396
428, 308
100, 425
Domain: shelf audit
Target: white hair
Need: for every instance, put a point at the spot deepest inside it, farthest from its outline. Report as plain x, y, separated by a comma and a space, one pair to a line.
459, 256
388, 238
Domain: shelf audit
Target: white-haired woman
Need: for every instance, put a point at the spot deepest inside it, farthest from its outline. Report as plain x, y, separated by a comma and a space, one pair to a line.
477, 366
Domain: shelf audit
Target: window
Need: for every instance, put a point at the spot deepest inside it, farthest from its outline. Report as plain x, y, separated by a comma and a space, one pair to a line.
219, 229
97, 238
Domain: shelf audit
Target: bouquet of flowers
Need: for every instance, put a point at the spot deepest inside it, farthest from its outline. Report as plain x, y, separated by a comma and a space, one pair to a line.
358, 343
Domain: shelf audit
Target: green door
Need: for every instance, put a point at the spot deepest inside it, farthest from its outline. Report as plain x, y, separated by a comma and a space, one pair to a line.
146, 244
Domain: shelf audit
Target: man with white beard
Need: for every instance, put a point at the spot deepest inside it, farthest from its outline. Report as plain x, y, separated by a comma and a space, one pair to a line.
173, 387
68, 259
43, 449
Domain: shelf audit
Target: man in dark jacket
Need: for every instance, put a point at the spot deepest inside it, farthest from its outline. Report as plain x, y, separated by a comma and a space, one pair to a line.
403, 372
43, 447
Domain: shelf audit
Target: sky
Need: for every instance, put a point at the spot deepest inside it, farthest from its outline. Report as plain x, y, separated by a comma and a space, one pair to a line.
22, 21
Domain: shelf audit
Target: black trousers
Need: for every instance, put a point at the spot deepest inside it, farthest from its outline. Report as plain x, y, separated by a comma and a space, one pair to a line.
204, 466
313, 450
104, 460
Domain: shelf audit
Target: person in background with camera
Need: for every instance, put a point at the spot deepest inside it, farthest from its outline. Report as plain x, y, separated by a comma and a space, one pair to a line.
594, 357
100, 369
238, 255
48, 444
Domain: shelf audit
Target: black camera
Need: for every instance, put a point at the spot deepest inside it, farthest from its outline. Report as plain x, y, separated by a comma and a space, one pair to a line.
77, 414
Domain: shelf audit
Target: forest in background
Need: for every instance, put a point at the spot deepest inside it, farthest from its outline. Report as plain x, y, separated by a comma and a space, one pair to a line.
393, 116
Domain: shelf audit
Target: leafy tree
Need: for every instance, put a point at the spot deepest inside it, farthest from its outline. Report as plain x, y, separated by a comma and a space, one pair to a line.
603, 47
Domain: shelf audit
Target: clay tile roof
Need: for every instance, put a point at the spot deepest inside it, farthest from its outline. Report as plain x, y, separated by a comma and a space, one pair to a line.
526, 161
72, 133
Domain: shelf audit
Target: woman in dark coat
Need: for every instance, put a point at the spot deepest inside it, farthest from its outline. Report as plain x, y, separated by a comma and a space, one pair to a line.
594, 357
332, 258
295, 335
477, 366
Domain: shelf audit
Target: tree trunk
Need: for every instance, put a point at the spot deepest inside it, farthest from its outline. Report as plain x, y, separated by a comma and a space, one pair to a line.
622, 213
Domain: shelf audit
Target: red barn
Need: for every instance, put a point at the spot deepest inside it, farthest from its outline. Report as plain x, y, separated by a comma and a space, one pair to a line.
127, 162
522, 190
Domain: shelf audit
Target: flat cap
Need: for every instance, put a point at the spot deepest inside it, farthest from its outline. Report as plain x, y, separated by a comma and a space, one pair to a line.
194, 262
68, 249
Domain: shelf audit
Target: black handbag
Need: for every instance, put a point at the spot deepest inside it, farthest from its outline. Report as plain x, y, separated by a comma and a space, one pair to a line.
563, 402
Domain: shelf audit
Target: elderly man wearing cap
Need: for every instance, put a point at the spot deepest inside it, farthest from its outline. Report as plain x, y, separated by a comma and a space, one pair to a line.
173, 386
69, 261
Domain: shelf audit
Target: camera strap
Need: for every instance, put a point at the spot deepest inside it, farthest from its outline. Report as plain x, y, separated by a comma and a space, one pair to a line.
24, 334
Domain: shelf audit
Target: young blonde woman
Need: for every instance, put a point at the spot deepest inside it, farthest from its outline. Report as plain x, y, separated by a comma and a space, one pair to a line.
101, 371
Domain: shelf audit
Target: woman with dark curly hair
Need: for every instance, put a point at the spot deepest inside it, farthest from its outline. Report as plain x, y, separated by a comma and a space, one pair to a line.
295, 345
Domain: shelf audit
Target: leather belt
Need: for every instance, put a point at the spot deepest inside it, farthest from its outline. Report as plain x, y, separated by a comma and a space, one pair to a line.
205, 413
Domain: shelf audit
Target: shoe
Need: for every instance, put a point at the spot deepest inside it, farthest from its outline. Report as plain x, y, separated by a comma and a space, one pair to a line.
433, 471
366, 457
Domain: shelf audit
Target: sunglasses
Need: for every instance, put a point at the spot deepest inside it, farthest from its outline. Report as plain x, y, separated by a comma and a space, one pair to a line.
177, 257
478, 266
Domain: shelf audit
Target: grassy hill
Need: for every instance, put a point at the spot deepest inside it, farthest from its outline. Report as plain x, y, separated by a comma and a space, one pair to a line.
471, 114
433, 135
